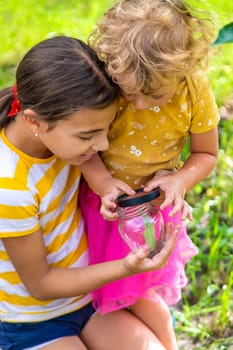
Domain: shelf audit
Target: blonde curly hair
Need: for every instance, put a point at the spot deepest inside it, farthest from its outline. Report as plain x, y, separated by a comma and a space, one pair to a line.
157, 42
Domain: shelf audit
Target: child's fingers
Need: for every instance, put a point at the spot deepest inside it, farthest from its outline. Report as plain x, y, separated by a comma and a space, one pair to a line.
122, 187
171, 230
178, 204
186, 212
169, 199
109, 213
160, 259
134, 261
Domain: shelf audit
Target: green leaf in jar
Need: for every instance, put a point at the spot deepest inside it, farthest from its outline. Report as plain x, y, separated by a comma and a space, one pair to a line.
149, 234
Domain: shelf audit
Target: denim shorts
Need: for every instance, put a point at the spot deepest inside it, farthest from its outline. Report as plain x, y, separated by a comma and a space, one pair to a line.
20, 336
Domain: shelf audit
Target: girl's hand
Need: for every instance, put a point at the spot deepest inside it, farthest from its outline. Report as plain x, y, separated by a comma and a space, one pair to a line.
173, 190
114, 188
137, 261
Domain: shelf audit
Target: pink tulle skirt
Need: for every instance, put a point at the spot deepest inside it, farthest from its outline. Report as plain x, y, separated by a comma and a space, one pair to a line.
106, 244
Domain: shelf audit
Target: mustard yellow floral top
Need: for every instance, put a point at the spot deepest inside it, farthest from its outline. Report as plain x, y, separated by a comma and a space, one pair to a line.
144, 141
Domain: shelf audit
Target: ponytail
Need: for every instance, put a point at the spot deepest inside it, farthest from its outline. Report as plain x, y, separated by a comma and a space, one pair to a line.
6, 99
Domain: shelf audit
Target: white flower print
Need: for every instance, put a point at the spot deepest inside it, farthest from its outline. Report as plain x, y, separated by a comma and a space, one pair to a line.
138, 153
210, 122
136, 182
184, 107
135, 151
139, 126
168, 135
170, 145
117, 166
201, 103
155, 109
154, 142
162, 119
131, 132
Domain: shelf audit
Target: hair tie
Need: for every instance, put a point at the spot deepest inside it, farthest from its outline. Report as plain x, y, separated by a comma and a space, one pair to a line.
15, 105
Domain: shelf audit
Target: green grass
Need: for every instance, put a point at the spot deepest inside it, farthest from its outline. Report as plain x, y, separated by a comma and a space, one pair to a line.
205, 314
23, 25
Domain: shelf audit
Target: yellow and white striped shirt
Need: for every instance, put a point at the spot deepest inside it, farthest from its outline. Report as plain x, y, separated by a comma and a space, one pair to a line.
38, 193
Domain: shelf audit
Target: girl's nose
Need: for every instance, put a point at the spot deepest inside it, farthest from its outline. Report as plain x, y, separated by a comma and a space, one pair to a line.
101, 143
128, 97
140, 103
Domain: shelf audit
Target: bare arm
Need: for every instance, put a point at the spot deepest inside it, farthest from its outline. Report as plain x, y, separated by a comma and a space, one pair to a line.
202, 160
28, 255
100, 179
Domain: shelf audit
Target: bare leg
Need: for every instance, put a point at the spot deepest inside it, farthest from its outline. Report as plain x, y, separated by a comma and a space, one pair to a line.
156, 315
65, 343
119, 330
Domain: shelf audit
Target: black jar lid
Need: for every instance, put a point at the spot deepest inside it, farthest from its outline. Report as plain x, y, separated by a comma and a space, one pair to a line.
139, 198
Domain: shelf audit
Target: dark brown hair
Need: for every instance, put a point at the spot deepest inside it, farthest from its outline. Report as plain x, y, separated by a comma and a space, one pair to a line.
57, 77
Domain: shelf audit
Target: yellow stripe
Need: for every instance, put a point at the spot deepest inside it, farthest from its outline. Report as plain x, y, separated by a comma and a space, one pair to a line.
15, 299
56, 202
61, 217
19, 234
4, 256
21, 171
74, 255
46, 183
16, 212
11, 277
62, 238
12, 184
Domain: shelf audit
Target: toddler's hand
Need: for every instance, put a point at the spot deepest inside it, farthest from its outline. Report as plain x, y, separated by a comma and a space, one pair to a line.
137, 261
173, 190
108, 201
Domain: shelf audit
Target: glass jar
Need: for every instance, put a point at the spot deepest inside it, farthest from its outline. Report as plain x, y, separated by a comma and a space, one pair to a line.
140, 222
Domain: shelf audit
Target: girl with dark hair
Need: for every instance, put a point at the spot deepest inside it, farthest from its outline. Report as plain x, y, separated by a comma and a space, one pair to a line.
55, 118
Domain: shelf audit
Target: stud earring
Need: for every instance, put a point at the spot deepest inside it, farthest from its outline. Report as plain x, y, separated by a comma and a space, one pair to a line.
36, 134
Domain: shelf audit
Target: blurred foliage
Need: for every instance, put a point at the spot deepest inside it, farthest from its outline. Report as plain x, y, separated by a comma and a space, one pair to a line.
225, 35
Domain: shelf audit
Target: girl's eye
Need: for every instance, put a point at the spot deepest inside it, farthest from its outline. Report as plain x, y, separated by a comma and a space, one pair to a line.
85, 138
157, 97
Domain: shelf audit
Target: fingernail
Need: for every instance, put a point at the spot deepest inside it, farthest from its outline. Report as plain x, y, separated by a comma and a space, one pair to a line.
146, 247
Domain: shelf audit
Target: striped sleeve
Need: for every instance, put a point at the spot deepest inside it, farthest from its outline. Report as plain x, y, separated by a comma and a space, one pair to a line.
18, 209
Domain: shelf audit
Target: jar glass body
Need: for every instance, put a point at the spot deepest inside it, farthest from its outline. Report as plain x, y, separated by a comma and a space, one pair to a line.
142, 224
